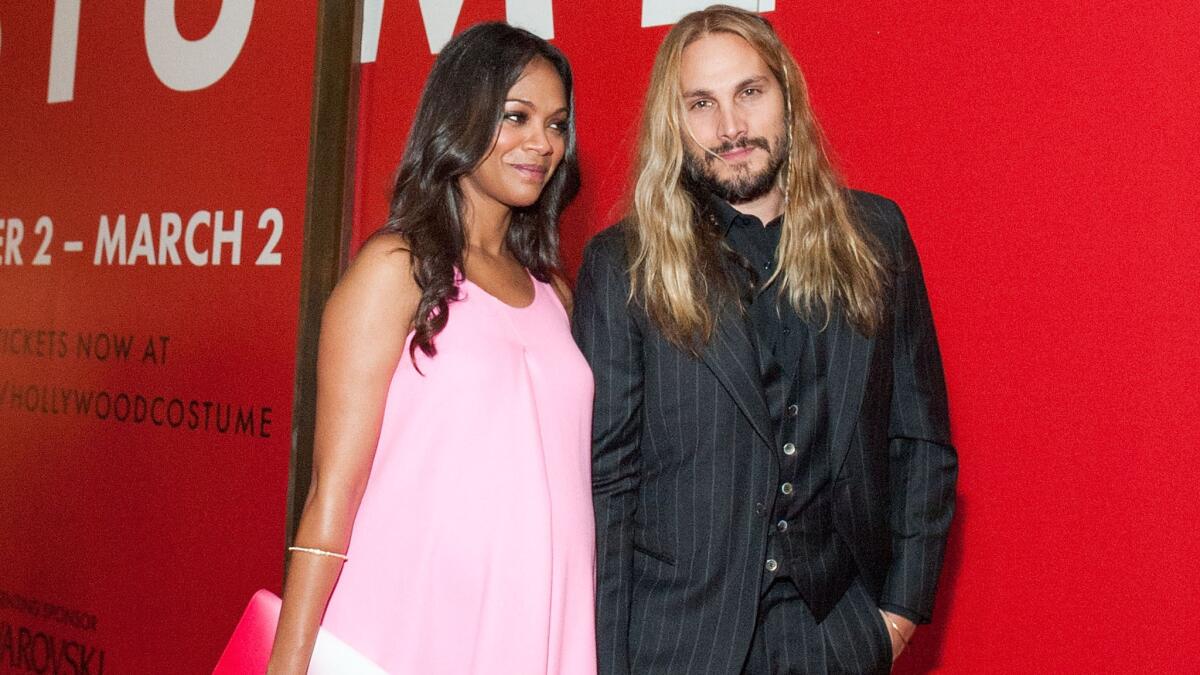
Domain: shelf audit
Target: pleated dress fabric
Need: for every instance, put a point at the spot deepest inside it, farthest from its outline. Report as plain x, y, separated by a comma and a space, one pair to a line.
473, 548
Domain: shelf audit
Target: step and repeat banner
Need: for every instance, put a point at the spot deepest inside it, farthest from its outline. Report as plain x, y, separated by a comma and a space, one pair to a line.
153, 159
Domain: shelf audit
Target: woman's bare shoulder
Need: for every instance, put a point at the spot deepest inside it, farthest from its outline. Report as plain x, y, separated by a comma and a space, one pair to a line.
379, 283
384, 258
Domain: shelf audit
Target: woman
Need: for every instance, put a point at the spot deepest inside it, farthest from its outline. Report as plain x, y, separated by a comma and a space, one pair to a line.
453, 409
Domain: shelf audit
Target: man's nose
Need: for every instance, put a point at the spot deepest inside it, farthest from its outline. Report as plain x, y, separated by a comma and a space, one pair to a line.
732, 124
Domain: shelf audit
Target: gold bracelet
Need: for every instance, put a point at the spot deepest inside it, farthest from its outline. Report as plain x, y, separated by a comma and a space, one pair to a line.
899, 633
317, 551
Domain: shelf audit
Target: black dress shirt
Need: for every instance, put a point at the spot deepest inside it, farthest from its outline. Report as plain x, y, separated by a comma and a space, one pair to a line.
789, 353
780, 331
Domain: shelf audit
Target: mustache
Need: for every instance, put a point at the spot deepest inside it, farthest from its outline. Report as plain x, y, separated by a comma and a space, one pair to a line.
746, 142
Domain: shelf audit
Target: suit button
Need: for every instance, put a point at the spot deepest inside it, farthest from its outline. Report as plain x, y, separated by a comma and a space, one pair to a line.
793, 410
786, 488
760, 509
781, 526
789, 449
772, 565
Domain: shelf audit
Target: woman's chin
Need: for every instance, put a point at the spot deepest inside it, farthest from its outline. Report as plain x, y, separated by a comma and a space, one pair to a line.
523, 199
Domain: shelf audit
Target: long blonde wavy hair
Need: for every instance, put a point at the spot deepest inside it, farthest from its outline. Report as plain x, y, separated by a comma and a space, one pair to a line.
826, 259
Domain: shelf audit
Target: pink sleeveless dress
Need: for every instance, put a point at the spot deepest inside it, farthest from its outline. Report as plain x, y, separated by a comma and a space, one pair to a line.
473, 548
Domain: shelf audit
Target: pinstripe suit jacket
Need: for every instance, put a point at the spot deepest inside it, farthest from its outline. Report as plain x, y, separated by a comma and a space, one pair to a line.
685, 468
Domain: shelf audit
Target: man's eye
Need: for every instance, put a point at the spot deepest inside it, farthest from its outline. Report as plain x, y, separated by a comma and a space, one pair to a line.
751, 91
702, 104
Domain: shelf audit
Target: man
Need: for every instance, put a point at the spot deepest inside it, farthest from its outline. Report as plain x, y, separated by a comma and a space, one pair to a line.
772, 469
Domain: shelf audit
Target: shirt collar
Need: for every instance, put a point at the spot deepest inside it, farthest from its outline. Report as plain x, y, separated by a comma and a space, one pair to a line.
727, 216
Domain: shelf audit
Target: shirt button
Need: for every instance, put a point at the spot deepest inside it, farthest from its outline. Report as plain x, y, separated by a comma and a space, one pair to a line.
760, 509
793, 410
781, 526
786, 488
772, 565
789, 449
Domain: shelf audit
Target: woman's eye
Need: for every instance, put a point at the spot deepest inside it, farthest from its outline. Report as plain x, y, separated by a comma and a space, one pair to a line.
515, 116
561, 126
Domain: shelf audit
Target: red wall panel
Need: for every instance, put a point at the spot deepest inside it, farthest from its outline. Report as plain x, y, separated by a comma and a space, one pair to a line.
1044, 155
131, 545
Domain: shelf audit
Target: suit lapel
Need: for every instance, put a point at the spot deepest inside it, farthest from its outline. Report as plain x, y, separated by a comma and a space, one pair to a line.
732, 357
849, 363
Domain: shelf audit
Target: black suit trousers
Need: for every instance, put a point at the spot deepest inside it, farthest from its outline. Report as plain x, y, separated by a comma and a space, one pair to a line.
788, 640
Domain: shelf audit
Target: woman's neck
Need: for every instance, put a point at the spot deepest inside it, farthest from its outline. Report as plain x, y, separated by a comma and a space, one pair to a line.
486, 223
488, 236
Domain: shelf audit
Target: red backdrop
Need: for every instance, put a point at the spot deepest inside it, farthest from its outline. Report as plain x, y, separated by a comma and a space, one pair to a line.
129, 543
1045, 156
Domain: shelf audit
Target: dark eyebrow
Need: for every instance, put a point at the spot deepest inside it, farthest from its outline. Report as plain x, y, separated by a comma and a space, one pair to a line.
701, 93
750, 81
530, 104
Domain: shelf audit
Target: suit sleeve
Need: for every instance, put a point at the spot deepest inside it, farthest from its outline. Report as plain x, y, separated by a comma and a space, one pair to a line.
610, 340
924, 465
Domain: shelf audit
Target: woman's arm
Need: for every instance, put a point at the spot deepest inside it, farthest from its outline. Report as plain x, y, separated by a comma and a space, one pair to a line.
363, 330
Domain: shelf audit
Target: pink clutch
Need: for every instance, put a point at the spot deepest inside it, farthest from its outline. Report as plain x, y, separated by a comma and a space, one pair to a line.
250, 647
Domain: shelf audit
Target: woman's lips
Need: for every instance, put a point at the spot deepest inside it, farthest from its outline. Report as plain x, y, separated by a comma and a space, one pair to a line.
535, 172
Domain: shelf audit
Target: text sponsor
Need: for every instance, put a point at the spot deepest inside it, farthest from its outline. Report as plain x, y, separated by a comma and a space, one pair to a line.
34, 651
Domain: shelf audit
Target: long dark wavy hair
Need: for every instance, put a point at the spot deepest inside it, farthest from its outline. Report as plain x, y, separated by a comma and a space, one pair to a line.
454, 129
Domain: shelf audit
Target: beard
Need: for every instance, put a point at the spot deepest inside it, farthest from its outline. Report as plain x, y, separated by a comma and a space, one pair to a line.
744, 185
